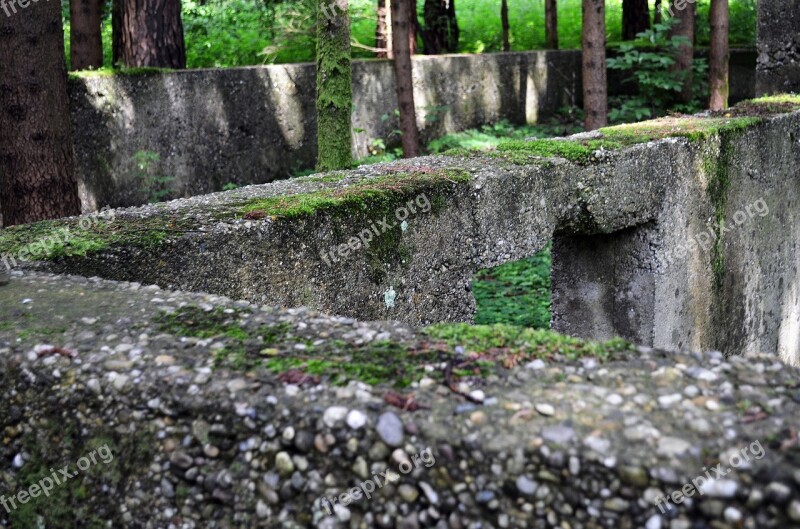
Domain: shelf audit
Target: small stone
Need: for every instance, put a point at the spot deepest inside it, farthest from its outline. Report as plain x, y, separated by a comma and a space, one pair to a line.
427, 382
167, 489
211, 451
667, 401
94, 386
430, 494
390, 429
333, 415
793, 512
545, 409
778, 493
536, 365
712, 405
732, 515
262, 510
672, 446
236, 385
526, 486
478, 418
615, 399
720, 488
616, 505
165, 360
484, 496
408, 493
558, 434
356, 419
654, 522
477, 395
284, 464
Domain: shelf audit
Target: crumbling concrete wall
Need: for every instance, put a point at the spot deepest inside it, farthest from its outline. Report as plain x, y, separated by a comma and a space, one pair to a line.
682, 242
778, 69
256, 125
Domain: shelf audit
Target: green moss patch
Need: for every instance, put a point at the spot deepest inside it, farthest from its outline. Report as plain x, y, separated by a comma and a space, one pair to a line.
511, 345
692, 128
579, 151
366, 193
114, 72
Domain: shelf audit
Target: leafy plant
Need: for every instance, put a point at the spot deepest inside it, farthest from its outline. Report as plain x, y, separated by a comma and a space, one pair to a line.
650, 62
154, 185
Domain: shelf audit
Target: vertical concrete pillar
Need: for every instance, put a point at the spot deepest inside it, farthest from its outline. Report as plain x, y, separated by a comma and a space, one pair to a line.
778, 68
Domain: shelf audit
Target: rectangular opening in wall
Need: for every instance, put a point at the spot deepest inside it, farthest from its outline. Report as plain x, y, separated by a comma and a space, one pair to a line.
516, 293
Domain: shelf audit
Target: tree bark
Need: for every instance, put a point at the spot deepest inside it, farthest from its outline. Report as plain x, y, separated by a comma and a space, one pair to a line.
441, 33
685, 17
401, 22
595, 97
116, 33
718, 60
506, 28
85, 41
551, 24
657, 14
37, 162
334, 86
150, 34
383, 32
413, 26
635, 18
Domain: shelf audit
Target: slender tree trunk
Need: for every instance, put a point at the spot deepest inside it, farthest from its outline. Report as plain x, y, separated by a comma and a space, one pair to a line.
383, 32
334, 86
551, 24
595, 95
504, 21
718, 61
401, 22
635, 18
413, 26
657, 14
150, 33
441, 27
37, 162
85, 41
685, 17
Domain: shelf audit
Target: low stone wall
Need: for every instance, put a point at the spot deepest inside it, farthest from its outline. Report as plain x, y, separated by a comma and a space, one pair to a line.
255, 125
144, 427
676, 233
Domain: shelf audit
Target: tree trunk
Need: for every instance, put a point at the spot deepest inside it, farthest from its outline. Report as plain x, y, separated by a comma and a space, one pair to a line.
635, 18
85, 41
685, 16
504, 21
334, 86
718, 60
657, 14
595, 98
383, 32
401, 22
150, 34
413, 27
37, 162
551, 24
441, 27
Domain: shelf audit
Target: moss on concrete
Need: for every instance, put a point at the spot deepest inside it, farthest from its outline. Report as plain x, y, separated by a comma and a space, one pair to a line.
366, 193
692, 128
115, 72
579, 151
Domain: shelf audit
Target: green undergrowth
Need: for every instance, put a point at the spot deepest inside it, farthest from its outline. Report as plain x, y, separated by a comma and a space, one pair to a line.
516, 293
364, 193
274, 347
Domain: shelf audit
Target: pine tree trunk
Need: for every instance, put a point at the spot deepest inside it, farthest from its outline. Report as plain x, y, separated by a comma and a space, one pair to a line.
383, 31
441, 27
413, 26
635, 18
116, 33
151, 34
551, 24
85, 41
334, 86
685, 18
37, 162
595, 97
506, 29
657, 14
718, 60
401, 22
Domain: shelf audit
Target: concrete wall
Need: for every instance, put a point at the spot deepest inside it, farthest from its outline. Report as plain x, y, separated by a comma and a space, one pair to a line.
778, 47
258, 124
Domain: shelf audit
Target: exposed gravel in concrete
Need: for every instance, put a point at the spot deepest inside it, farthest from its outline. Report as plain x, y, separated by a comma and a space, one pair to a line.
555, 443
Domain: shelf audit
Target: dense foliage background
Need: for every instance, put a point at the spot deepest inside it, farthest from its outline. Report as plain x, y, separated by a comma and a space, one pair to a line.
223, 33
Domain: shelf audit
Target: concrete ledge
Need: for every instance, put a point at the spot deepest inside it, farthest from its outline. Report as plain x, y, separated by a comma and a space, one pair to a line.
659, 189
588, 443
